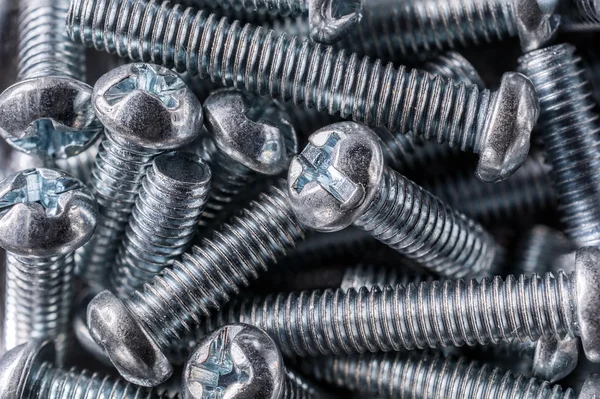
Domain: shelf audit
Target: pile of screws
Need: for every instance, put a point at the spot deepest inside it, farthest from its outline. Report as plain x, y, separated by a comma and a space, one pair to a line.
251, 199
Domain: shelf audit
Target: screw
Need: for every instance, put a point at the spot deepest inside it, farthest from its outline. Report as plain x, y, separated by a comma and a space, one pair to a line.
328, 20
48, 112
428, 375
27, 371
80, 165
240, 361
340, 179
370, 276
249, 137
146, 109
496, 125
569, 130
528, 192
437, 314
541, 249
137, 332
163, 220
580, 15
44, 216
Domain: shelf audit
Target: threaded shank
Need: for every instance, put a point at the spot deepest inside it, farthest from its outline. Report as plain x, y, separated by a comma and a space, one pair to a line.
369, 276
296, 387
580, 14
257, 60
163, 220
570, 132
206, 279
39, 293
116, 179
436, 314
428, 375
48, 382
44, 46
418, 225
282, 7
540, 249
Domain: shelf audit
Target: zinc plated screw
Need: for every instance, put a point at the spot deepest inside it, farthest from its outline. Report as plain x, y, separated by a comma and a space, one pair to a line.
580, 15
48, 112
249, 138
569, 130
146, 109
340, 179
44, 216
436, 314
163, 220
495, 125
139, 331
242, 362
427, 375
28, 372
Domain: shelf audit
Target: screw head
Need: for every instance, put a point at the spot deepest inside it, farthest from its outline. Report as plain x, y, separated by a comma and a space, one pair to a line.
587, 280
147, 106
554, 359
49, 117
80, 328
536, 22
45, 212
505, 144
251, 130
130, 348
332, 182
590, 388
16, 366
331, 20
237, 362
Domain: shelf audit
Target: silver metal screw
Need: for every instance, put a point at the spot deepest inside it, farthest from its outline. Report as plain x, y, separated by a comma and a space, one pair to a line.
371, 276
570, 133
28, 372
580, 15
428, 375
241, 362
437, 314
340, 179
146, 109
48, 113
137, 332
495, 125
163, 220
44, 216
249, 137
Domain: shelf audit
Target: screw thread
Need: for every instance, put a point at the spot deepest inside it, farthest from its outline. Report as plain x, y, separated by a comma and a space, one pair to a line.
580, 14
418, 225
570, 132
206, 278
527, 192
430, 375
79, 166
116, 179
540, 249
49, 382
370, 276
44, 46
161, 226
435, 314
258, 60
282, 7
296, 387
38, 300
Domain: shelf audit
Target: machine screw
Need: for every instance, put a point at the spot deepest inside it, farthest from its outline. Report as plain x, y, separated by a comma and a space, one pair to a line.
249, 137
146, 109
428, 375
48, 113
163, 220
495, 125
580, 15
340, 179
569, 130
436, 314
44, 216
370, 276
222, 363
28, 372
138, 331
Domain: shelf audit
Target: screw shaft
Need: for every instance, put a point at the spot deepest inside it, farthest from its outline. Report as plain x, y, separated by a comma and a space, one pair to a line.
580, 14
281, 7
257, 60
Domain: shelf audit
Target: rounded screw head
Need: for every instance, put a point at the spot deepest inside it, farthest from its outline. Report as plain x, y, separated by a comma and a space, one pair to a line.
331, 20
554, 359
16, 365
251, 130
332, 182
182, 169
45, 212
587, 279
132, 351
505, 145
590, 388
536, 22
236, 362
147, 106
50, 117
80, 328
